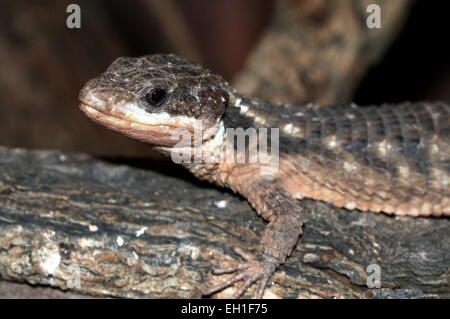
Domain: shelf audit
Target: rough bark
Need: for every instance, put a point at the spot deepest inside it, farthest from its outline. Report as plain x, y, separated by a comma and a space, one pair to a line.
131, 231
318, 50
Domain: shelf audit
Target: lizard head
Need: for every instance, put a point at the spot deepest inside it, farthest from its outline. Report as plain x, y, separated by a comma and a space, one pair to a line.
157, 99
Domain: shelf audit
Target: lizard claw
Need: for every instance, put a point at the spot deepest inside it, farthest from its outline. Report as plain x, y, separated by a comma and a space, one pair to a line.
249, 272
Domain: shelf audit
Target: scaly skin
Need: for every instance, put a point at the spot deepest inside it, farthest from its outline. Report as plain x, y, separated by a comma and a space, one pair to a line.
381, 159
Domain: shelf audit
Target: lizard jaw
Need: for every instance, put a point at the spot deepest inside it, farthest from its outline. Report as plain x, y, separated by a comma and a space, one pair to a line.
158, 132
160, 135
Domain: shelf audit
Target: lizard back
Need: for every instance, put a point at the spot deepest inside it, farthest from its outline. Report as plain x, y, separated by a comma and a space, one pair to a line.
394, 159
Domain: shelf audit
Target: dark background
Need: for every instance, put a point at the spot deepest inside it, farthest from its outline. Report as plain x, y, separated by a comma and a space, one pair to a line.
417, 66
44, 64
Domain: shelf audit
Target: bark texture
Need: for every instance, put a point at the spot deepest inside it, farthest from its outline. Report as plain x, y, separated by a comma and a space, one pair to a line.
99, 227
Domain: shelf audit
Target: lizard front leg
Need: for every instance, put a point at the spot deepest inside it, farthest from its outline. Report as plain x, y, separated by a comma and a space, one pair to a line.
286, 217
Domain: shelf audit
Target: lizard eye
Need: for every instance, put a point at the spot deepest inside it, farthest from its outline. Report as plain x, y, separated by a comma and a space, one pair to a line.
156, 96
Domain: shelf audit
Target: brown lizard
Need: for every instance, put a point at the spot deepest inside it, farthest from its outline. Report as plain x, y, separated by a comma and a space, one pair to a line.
387, 159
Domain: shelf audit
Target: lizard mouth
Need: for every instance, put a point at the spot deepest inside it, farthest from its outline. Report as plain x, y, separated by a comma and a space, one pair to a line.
120, 118
157, 133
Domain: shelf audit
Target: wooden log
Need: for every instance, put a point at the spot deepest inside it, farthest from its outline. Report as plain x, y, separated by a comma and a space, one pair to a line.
127, 229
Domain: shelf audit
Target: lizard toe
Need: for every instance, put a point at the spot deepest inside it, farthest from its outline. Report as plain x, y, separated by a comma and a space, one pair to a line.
250, 272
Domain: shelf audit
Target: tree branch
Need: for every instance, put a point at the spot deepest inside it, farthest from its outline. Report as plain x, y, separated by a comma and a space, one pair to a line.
131, 232
318, 50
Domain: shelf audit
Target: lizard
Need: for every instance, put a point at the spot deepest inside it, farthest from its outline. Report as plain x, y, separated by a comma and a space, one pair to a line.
393, 159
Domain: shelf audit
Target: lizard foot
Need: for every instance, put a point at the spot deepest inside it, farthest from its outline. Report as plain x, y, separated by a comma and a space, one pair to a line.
250, 271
